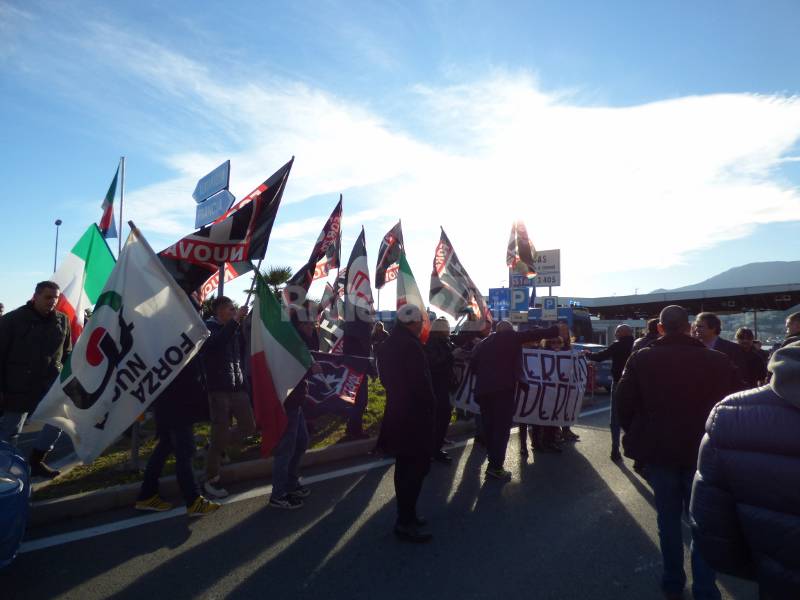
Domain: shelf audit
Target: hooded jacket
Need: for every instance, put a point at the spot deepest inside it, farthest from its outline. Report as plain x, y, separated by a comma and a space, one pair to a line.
746, 499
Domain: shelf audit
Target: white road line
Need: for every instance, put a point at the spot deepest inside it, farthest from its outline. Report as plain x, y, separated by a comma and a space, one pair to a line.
261, 491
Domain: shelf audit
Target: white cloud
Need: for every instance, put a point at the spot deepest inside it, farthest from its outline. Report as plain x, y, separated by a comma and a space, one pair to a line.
617, 188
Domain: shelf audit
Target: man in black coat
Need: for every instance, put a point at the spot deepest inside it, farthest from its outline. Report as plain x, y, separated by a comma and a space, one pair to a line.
707, 329
407, 430
755, 372
746, 494
439, 352
497, 365
663, 400
618, 352
35, 341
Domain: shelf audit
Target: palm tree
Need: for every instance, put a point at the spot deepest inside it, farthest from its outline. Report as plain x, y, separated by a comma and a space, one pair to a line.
276, 277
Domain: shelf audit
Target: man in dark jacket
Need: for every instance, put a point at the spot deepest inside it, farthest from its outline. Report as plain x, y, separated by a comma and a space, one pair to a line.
707, 329
746, 493
755, 367
222, 359
663, 400
651, 336
497, 365
407, 431
618, 352
35, 341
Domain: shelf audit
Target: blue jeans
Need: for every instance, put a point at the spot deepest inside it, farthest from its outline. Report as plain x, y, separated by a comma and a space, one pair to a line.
672, 488
180, 441
11, 424
288, 453
614, 423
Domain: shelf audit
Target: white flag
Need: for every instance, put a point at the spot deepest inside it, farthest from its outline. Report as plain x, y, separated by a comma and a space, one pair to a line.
142, 333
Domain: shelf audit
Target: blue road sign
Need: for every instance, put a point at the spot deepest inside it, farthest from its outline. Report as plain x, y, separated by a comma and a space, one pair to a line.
213, 207
521, 299
499, 299
216, 181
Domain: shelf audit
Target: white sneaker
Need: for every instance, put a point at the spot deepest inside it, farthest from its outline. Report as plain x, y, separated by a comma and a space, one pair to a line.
212, 488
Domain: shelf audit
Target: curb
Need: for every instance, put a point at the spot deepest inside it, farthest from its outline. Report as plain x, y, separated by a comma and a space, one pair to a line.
46, 512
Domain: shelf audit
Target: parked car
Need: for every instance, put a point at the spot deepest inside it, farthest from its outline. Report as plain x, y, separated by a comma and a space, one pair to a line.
602, 369
15, 491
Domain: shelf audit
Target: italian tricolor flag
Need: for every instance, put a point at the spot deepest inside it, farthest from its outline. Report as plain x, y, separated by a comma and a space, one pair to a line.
81, 277
408, 293
278, 361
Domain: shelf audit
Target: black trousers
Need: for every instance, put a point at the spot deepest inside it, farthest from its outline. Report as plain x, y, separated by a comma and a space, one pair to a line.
497, 412
409, 473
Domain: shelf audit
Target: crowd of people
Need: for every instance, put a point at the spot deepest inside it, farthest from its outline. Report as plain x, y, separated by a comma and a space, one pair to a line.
710, 425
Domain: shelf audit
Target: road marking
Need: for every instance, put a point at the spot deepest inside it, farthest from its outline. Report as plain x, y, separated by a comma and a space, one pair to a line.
261, 491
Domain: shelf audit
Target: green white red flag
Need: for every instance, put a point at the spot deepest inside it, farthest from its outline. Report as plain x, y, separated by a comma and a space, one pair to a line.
107, 226
408, 293
81, 277
279, 359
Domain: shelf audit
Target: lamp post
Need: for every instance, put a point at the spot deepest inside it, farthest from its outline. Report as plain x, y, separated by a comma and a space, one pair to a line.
55, 256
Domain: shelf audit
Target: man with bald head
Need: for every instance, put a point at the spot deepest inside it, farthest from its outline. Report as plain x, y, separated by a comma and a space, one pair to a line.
497, 365
618, 352
407, 430
663, 400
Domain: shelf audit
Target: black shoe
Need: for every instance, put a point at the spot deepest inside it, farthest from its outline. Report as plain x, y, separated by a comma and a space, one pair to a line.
447, 442
638, 467
443, 457
412, 533
420, 521
616, 456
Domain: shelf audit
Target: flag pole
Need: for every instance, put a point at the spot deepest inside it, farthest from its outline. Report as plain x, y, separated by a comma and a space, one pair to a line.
121, 200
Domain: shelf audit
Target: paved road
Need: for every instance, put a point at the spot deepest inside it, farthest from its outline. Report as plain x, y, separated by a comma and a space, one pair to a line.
568, 526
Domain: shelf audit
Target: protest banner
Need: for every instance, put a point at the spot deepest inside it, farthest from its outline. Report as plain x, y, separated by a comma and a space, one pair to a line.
551, 392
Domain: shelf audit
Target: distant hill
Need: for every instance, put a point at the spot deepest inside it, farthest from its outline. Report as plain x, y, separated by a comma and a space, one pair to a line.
752, 274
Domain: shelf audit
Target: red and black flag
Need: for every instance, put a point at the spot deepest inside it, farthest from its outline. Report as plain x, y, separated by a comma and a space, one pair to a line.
389, 256
520, 253
326, 254
359, 312
237, 238
453, 290
107, 226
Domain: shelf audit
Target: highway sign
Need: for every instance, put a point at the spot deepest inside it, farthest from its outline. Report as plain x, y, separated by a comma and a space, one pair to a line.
547, 261
212, 208
216, 181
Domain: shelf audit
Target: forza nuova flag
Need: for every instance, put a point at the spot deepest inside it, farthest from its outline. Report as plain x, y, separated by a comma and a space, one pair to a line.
359, 312
408, 293
453, 290
278, 361
81, 277
142, 333
520, 252
389, 256
107, 226
326, 253
238, 238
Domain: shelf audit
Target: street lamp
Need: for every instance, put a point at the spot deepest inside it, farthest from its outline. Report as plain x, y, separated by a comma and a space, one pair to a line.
55, 256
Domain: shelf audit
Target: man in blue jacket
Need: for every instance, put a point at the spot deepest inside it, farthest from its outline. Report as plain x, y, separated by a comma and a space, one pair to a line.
746, 499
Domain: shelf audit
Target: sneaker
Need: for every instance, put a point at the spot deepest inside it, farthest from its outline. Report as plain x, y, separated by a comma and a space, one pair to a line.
498, 473
443, 457
288, 502
412, 533
202, 506
213, 489
616, 456
300, 491
154, 504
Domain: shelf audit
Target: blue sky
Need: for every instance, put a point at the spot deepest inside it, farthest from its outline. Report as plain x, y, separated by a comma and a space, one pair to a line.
656, 145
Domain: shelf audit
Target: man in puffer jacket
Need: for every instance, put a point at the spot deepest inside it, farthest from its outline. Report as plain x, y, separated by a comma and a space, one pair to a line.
746, 498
